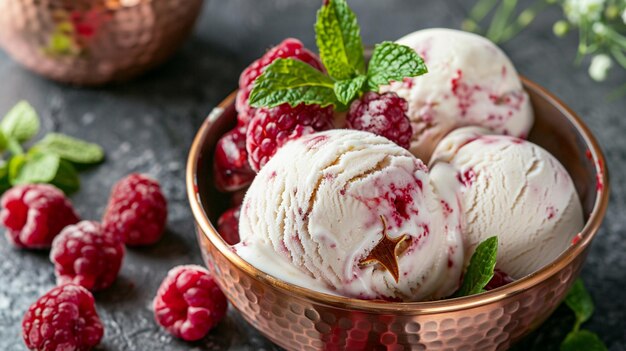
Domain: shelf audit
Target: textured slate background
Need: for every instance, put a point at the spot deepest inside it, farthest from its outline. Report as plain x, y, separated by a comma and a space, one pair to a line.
147, 125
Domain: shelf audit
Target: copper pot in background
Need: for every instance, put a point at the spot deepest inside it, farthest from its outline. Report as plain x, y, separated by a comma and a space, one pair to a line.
93, 42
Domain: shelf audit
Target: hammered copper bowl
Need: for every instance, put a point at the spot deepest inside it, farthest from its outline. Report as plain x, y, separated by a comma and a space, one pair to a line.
300, 319
92, 42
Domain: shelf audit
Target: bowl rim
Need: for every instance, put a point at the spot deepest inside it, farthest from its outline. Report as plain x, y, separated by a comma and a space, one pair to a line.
414, 308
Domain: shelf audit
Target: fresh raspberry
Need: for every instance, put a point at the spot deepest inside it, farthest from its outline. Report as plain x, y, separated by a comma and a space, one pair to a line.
289, 48
83, 254
272, 128
230, 165
189, 303
137, 210
34, 214
65, 318
228, 225
384, 115
499, 279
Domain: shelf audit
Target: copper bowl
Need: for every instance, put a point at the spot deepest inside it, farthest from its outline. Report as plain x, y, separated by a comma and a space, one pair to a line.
300, 319
92, 42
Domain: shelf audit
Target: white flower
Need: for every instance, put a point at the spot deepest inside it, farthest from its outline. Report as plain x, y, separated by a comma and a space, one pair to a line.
576, 10
600, 66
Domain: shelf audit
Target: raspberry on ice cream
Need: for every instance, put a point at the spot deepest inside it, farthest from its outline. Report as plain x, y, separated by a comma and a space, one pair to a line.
34, 214
228, 225
231, 168
271, 128
382, 114
470, 82
137, 210
514, 189
65, 318
326, 208
84, 254
288, 48
189, 303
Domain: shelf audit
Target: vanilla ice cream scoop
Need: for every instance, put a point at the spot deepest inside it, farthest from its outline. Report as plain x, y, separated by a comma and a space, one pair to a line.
351, 213
470, 82
512, 189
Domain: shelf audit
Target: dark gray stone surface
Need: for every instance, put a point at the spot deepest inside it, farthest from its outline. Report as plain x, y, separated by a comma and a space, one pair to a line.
147, 125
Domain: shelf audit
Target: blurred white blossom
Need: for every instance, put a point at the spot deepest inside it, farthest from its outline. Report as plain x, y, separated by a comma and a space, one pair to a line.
600, 66
577, 10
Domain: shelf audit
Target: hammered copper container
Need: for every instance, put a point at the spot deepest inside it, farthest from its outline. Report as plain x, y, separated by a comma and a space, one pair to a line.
92, 42
300, 319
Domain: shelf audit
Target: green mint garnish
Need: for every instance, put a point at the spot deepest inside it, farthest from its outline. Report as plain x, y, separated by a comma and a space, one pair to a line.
338, 38
580, 302
66, 178
51, 160
341, 50
20, 123
293, 82
480, 269
71, 149
347, 90
393, 62
33, 168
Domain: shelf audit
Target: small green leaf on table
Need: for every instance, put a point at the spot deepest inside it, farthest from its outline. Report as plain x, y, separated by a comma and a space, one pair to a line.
70, 149
580, 302
582, 340
20, 123
33, 168
66, 178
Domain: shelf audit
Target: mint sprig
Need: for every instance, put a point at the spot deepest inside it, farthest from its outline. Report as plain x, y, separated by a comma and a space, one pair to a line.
480, 269
580, 302
294, 82
338, 38
341, 50
393, 62
52, 160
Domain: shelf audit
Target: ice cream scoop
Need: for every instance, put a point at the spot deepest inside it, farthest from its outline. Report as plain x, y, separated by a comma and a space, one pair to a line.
470, 82
513, 189
351, 213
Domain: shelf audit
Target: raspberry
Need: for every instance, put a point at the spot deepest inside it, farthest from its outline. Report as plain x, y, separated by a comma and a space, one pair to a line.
189, 303
228, 225
137, 210
384, 115
65, 318
230, 165
289, 48
499, 279
83, 254
34, 214
271, 128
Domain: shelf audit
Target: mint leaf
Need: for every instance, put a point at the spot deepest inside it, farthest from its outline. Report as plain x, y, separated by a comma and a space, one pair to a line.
66, 178
579, 301
393, 62
346, 90
71, 149
4, 177
582, 340
339, 40
21, 122
480, 269
33, 168
293, 82
4, 142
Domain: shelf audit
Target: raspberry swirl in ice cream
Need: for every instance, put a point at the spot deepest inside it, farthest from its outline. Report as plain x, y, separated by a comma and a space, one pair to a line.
470, 82
324, 210
513, 189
